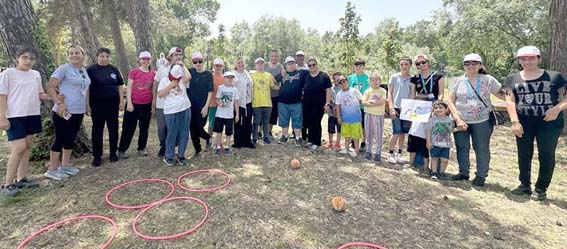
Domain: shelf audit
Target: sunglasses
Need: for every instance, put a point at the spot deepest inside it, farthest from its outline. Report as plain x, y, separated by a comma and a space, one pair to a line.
312, 65
419, 63
471, 63
198, 62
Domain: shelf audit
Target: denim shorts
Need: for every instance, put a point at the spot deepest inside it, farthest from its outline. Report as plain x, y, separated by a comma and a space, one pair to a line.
439, 152
293, 111
400, 126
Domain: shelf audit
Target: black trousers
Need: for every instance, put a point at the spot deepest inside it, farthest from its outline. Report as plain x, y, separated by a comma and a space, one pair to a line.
142, 113
243, 128
104, 111
196, 127
312, 116
65, 131
546, 134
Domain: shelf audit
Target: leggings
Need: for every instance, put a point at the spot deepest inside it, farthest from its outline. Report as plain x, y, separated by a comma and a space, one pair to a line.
65, 131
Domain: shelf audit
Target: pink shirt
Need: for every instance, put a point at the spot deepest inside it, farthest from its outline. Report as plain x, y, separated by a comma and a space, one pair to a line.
142, 85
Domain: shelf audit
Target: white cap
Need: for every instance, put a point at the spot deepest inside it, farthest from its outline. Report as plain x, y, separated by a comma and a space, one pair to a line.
196, 55
420, 57
218, 61
172, 51
340, 78
528, 51
229, 74
145, 54
300, 53
177, 71
259, 59
473, 57
289, 59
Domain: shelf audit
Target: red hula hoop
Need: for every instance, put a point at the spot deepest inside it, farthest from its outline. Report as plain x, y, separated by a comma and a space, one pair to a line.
172, 236
48, 227
180, 178
109, 192
366, 244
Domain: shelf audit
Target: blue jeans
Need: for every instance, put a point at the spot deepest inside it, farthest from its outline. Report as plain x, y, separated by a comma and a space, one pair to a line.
293, 111
480, 134
177, 133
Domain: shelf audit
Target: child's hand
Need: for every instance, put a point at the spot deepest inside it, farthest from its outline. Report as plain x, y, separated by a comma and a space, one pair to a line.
340, 121
429, 145
4, 124
236, 118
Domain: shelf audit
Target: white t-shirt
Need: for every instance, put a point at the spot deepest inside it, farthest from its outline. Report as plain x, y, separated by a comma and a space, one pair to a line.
177, 100
161, 73
227, 95
22, 89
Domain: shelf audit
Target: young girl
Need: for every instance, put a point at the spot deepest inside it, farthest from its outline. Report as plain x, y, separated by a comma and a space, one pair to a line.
439, 131
374, 100
227, 112
20, 95
333, 126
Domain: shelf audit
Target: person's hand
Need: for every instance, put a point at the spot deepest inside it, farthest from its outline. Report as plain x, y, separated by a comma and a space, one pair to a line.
236, 118
393, 114
153, 108
62, 108
121, 106
552, 113
340, 121
204, 111
517, 129
462, 125
4, 124
327, 108
130, 108
60, 97
429, 145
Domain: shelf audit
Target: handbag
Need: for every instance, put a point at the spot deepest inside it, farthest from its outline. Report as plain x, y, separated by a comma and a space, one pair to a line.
495, 117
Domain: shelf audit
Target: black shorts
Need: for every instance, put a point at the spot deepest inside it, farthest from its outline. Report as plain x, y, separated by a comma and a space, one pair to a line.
333, 125
227, 124
418, 145
21, 127
274, 114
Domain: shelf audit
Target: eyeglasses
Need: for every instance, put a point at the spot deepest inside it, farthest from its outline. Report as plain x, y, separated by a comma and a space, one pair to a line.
471, 63
419, 63
312, 65
198, 62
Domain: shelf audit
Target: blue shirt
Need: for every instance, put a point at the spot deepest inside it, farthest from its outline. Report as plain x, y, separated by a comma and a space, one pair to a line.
349, 102
73, 84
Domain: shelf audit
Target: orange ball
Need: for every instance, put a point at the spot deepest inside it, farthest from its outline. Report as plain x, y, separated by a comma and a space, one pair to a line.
295, 164
338, 203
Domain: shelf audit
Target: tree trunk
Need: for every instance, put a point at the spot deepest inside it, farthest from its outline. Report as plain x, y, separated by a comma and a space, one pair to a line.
558, 48
83, 13
119, 46
139, 19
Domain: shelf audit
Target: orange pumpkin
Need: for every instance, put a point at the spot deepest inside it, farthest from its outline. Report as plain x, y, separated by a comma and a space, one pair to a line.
295, 164
338, 203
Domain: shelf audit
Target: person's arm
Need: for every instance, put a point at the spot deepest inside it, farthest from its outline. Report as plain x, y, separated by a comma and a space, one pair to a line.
328, 96
517, 128
155, 95
52, 86
4, 123
205, 110
441, 88
88, 103
429, 145
236, 111
121, 95
275, 85
129, 104
165, 91
390, 99
461, 124
186, 75
412, 91
552, 113
366, 102
383, 99
338, 113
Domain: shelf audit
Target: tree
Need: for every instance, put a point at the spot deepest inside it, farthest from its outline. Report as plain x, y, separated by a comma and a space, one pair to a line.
139, 19
116, 32
558, 47
84, 15
349, 35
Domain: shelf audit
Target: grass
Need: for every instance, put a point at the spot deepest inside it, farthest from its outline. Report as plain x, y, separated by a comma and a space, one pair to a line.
268, 205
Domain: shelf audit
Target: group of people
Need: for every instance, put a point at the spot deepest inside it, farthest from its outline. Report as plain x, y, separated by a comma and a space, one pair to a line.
246, 105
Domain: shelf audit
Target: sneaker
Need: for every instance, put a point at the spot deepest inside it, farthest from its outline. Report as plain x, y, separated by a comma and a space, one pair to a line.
10, 190
313, 148
327, 145
96, 162
298, 142
343, 152
25, 183
392, 158
352, 154
168, 162
122, 155
399, 158
217, 151
161, 152
69, 170
197, 155
362, 147
367, 156
254, 141
113, 157
208, 144
182, 161
478, 181
434, 177
141, 152
308, 144
539, 195
337, 146
522, 190
443, 176
283, 140
227, 151
426, 172
377, 158
459, 177
267, 140
56, 174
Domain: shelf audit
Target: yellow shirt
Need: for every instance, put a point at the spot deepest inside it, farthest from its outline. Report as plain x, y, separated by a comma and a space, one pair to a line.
374, 94
262, 83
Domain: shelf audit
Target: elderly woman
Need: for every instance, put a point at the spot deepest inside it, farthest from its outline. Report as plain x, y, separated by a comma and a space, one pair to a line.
469, 101
72, 81
533, 100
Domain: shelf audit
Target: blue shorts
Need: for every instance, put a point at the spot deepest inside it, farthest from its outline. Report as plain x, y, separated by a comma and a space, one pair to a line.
21, 127
400, 126
440, 152
293, 111
333, 125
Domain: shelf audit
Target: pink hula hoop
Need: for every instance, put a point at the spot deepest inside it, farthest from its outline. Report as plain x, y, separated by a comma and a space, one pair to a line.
361, 244
172, 236
180, 178
109, 192
82, 217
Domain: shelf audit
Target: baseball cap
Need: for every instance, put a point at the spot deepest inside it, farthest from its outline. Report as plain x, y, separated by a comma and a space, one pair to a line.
340, 78
528, 51
472, 57
176, 71
196, 55
259, 59
420, 57
229, 74
145, 54
218, 61
289, 59
173, 50
300, 53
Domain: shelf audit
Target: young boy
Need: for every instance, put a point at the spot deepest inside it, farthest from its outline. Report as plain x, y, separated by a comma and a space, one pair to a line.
349, 115
227, 113
218, 80
398, 89
333, 126
439, 131
20, 94
263, 82
374, 100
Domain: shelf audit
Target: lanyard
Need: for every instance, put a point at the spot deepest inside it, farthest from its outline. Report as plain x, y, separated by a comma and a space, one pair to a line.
425, 83
469, 86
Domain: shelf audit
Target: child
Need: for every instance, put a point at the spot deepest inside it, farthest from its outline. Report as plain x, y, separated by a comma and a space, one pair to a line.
439, 131
218, 80
177, 114
263, 82
227, 112
348, 115
374, 100
20, 94
332, 124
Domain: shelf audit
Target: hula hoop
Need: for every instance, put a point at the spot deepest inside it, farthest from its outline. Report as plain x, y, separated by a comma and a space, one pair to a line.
361, 244
180, 178
110, 221
109, 192
172, 236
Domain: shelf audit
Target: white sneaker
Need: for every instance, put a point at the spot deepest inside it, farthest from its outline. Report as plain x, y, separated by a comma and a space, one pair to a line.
392, 158
399, 158
352, 154
343, 152
69, 170
56, 175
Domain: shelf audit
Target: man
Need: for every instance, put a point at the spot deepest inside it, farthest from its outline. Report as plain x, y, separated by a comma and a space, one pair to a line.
359, 81
276, 69
200, 92
289, 105
300, 60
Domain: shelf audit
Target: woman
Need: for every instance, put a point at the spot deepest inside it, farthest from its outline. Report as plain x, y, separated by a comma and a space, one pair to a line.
533, 103
316, 101
72, 81
139, 97
200, 93
105, 99
243, 129
470, 105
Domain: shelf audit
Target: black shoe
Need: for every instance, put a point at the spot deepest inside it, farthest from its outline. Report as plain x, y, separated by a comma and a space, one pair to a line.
539, 195
161, 152
478, 181
197, 155
25, 183
442, 176
113, 157
237, 146
459, 177
522, 190
96, 162
182, 161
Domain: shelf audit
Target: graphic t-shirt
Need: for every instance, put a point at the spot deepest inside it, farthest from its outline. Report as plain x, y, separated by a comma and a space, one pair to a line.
227, 96
142, 85
199, 88
400, 89
471, 108
349, 103
375, 94
176, 100
73, 84
105, 81
441, 129
535, 97
22, 89
315, 89
359, 82
291, 89
262, 84
427, 84
218, 80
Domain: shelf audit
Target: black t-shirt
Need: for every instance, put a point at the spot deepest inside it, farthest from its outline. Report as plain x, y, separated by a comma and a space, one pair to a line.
314, 88
291, 88
200, 86
535, 97
104, 82
427, 85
